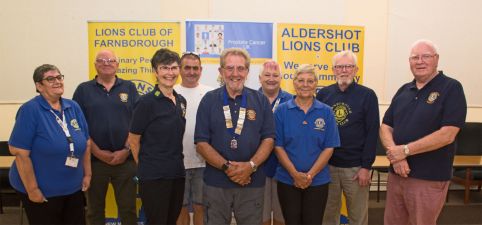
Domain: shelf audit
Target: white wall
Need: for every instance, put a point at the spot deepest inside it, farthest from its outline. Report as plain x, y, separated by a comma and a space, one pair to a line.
55, 31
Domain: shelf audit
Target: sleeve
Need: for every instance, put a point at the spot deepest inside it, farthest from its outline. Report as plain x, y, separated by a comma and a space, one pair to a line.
388, 117
279, 125
267, 129
78, 96
372, 125
332, 137
455, 106
140, 117
133, 92
201, 131
25, 127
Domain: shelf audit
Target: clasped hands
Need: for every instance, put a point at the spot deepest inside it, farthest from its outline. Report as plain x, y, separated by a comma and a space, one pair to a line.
302, 180
239, 172
397, 158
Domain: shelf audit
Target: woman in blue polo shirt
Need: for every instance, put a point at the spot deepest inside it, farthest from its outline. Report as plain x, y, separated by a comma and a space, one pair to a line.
306, 134
155, 137
52, 157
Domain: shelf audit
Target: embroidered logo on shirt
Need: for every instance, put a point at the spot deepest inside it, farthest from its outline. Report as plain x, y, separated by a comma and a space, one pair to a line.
432, 97
320, 124
74, 124
251, 114
183, 107
123, 97
341, 111
157, 93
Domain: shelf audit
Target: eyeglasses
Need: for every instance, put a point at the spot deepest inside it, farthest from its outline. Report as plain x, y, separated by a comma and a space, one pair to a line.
166, 69
105, 61
424, 57
346, 67
52, 79
231, 69
308, 81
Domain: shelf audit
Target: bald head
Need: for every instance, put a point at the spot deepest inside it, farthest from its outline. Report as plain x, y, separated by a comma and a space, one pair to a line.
106, 63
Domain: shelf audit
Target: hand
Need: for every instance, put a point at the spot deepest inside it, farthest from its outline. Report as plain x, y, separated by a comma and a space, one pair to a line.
395, 153
119, 157
104, 155
401, 168
302, 180
239, 172
86, 182
363, 177
36, 196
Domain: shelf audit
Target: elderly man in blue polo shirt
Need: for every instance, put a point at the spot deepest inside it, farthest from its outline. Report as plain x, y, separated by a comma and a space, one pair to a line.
418, 132
356, 113
235, 134
107, 102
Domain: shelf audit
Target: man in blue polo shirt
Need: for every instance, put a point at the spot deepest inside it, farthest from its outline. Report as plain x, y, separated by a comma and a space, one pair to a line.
356, 113
107, 102
418, 132
235, 134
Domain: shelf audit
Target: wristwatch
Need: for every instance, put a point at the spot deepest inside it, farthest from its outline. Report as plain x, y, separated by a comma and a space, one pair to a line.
406, 150
225, 166
253, 166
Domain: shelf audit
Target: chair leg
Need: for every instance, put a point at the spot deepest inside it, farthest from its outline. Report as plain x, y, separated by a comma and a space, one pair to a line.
378, 187
468, 175
1, 203
21, 213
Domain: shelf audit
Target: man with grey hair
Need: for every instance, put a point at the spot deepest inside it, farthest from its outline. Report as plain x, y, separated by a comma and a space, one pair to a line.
234, 134
418, 133
356, 112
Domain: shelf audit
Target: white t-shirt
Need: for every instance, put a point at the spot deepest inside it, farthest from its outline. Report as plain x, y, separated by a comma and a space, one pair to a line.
193, 97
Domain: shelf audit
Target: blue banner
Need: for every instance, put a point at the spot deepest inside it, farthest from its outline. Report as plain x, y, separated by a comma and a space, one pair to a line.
210, 38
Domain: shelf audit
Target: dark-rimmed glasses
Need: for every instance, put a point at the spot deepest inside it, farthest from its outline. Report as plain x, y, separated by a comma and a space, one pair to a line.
52, 79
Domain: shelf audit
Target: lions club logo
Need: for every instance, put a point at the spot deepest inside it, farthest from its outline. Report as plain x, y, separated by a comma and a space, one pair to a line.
320, 124
143, 87
74, 124
123, 97
432, 97
341, 111
251, 114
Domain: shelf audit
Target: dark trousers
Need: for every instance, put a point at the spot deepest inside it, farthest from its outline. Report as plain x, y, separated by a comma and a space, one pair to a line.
302, 206
67, 209
162, 200
120, 176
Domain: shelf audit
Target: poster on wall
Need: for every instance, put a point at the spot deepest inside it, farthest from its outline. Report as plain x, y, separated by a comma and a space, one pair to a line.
134, 44
210, 38
316, 44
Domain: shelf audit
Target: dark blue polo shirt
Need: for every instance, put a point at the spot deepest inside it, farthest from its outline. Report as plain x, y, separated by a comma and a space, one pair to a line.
211, 128
272, 162
356, 113
161, 125
414, 114
108, 113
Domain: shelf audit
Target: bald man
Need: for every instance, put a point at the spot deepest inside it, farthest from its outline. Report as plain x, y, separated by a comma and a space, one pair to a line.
418, 133
107, 102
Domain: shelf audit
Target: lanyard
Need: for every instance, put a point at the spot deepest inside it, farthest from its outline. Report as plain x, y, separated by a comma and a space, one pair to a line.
276, 103
63, 124
242, 114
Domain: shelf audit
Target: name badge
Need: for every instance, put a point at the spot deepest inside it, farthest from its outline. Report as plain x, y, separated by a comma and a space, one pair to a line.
72, 161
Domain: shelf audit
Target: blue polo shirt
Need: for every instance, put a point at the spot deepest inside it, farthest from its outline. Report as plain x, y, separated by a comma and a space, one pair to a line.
304, 142
414, 114
211, 128
357, 116
272, 162
108, 113
161, 125
36, 130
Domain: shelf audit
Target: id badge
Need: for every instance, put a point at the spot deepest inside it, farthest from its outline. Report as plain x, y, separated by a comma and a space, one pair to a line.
72, 161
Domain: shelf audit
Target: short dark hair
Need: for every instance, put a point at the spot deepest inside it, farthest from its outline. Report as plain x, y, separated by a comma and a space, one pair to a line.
164, 56
190, 55
38, 73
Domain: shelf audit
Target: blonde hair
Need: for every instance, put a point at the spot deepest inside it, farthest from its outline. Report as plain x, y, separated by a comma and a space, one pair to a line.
305, 68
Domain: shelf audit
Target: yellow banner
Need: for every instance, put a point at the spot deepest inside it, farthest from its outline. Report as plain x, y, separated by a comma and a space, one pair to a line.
316, 44
134, 44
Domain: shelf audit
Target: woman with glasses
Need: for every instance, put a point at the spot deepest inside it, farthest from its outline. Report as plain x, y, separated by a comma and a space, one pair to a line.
306, 134
52, 156
155, 138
